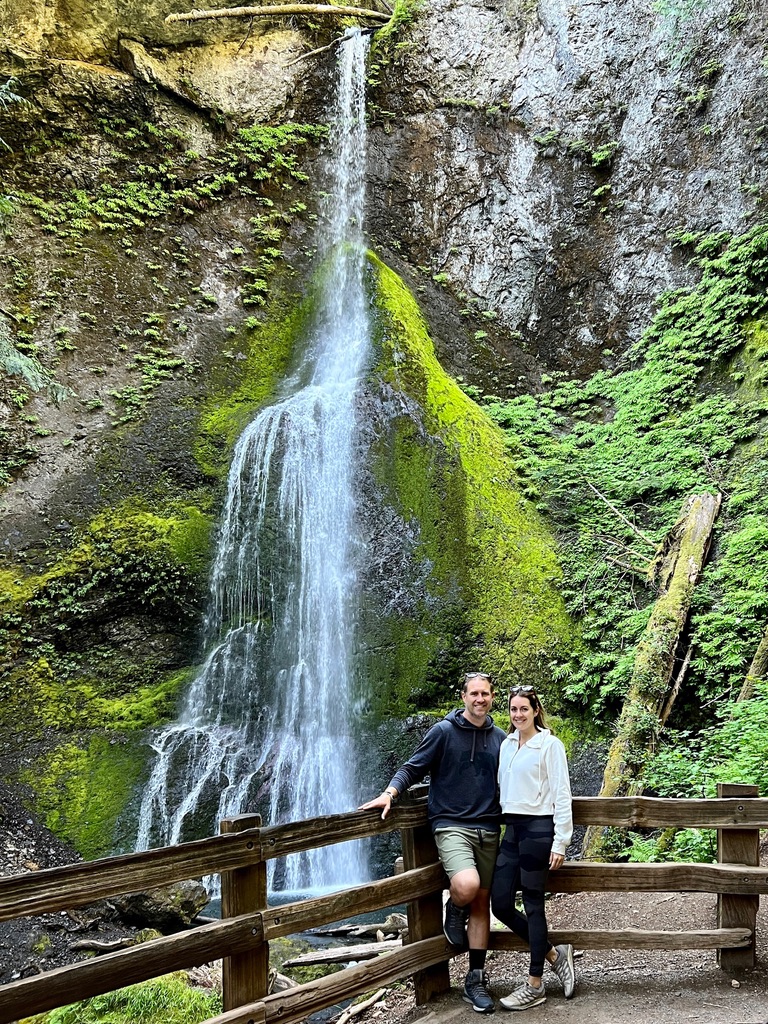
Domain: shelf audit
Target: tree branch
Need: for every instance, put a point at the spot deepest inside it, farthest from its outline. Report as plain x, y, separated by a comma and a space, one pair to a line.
280, 11
621, 515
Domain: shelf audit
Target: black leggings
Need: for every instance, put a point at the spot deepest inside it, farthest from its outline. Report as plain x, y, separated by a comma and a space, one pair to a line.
523, 864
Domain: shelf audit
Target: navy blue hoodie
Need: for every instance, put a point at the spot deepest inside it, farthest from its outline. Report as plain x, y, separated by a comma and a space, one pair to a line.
461, 760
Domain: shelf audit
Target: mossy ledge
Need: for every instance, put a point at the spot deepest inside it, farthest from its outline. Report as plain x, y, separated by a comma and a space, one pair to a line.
492, 565
96, 650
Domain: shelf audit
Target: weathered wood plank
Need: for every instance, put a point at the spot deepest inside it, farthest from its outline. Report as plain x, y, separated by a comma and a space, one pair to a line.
585, 876
245, 975
298, 1003
319, 910
633, 938
742, 846
76, 885
658, 812
627, 938
127, 966
425, 914
282, 840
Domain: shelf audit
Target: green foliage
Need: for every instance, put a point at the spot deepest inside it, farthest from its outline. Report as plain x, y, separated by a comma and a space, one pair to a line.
29, 369
678, 415
7, 98
733, 749
166, 1000
268, 347
684, 845
137, 194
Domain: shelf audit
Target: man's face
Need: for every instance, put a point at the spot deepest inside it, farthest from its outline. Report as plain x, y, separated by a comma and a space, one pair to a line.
478, 698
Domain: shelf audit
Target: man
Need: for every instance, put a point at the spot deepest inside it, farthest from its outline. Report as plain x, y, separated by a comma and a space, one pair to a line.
461, 755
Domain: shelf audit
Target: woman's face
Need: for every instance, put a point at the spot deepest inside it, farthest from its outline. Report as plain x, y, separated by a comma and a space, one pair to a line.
521, 713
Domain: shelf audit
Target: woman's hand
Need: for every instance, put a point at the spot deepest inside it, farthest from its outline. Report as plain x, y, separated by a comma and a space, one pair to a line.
555, 861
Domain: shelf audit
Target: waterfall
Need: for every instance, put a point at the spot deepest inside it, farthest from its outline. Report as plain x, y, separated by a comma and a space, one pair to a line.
275, 704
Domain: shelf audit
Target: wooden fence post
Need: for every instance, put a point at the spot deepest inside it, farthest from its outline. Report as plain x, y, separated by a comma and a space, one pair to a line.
425, 915
737, 846
245, 976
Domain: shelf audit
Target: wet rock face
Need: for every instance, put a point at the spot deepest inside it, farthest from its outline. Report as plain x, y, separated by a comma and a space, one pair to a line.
540, 155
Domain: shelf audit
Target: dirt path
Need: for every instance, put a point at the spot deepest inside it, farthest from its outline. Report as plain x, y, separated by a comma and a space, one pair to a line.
619, 986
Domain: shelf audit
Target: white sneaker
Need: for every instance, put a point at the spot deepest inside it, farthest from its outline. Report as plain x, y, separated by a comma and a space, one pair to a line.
525, 997
564, 969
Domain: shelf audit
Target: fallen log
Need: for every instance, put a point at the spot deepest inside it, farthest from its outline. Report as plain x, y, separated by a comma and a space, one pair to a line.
676, 569
343, 954
280, 11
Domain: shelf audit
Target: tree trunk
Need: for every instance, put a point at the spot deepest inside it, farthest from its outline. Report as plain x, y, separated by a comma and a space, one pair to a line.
280, 11
677, 567
757, 670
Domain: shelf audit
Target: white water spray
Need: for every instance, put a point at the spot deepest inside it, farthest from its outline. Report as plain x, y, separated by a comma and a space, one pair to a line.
274, 705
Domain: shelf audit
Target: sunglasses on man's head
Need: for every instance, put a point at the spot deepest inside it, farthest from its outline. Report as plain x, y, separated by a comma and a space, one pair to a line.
476, 675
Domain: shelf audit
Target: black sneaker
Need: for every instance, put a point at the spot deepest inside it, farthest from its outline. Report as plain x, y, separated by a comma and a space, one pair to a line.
476, 992
455, 924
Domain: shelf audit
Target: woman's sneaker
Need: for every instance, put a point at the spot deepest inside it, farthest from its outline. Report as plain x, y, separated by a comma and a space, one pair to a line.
564, 969
476, 992
525, 997
455, 924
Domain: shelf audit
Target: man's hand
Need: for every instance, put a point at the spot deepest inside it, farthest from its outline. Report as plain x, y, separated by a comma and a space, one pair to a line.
384, 801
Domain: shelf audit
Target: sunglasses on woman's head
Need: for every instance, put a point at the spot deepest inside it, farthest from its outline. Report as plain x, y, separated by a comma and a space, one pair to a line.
522, 689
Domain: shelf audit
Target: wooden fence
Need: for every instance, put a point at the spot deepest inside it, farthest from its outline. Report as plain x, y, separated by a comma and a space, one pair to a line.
240, 853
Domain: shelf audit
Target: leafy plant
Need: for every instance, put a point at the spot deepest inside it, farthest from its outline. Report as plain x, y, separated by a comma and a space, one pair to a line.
166, 1000
610, 459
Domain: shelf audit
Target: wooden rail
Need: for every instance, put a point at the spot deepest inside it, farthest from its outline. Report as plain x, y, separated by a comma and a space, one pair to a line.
240, 854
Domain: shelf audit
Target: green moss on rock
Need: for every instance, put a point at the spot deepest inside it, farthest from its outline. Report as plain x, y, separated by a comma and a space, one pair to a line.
493, 572
268, 348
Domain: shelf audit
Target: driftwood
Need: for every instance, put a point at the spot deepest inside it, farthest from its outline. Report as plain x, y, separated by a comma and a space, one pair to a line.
95, 946
281, 11
343, 954
358, 1008
394, 924
676, 568
758, 670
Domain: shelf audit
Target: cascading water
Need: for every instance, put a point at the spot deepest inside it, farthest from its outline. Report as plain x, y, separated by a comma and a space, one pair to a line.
274, 706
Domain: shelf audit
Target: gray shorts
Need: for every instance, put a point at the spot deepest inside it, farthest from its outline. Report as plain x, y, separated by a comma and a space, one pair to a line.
463, 848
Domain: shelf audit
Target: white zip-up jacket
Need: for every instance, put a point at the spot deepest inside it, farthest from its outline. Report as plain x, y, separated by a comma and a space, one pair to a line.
533, 779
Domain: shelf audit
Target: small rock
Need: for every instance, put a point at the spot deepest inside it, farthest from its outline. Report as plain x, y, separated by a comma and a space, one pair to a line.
735, 984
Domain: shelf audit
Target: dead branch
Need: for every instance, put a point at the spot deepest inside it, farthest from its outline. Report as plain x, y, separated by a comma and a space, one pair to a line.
280, 11
95, 946
353, 1011
666, 711
621, 515
757, 670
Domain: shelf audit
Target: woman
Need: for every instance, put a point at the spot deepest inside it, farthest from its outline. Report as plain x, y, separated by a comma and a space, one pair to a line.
535, 793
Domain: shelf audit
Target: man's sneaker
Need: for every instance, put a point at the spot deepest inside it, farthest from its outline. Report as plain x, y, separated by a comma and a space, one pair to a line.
476, 992
564, 969
455, 924
525, 997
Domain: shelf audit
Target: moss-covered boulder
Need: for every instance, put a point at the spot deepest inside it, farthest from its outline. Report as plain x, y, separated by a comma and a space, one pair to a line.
479, 586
